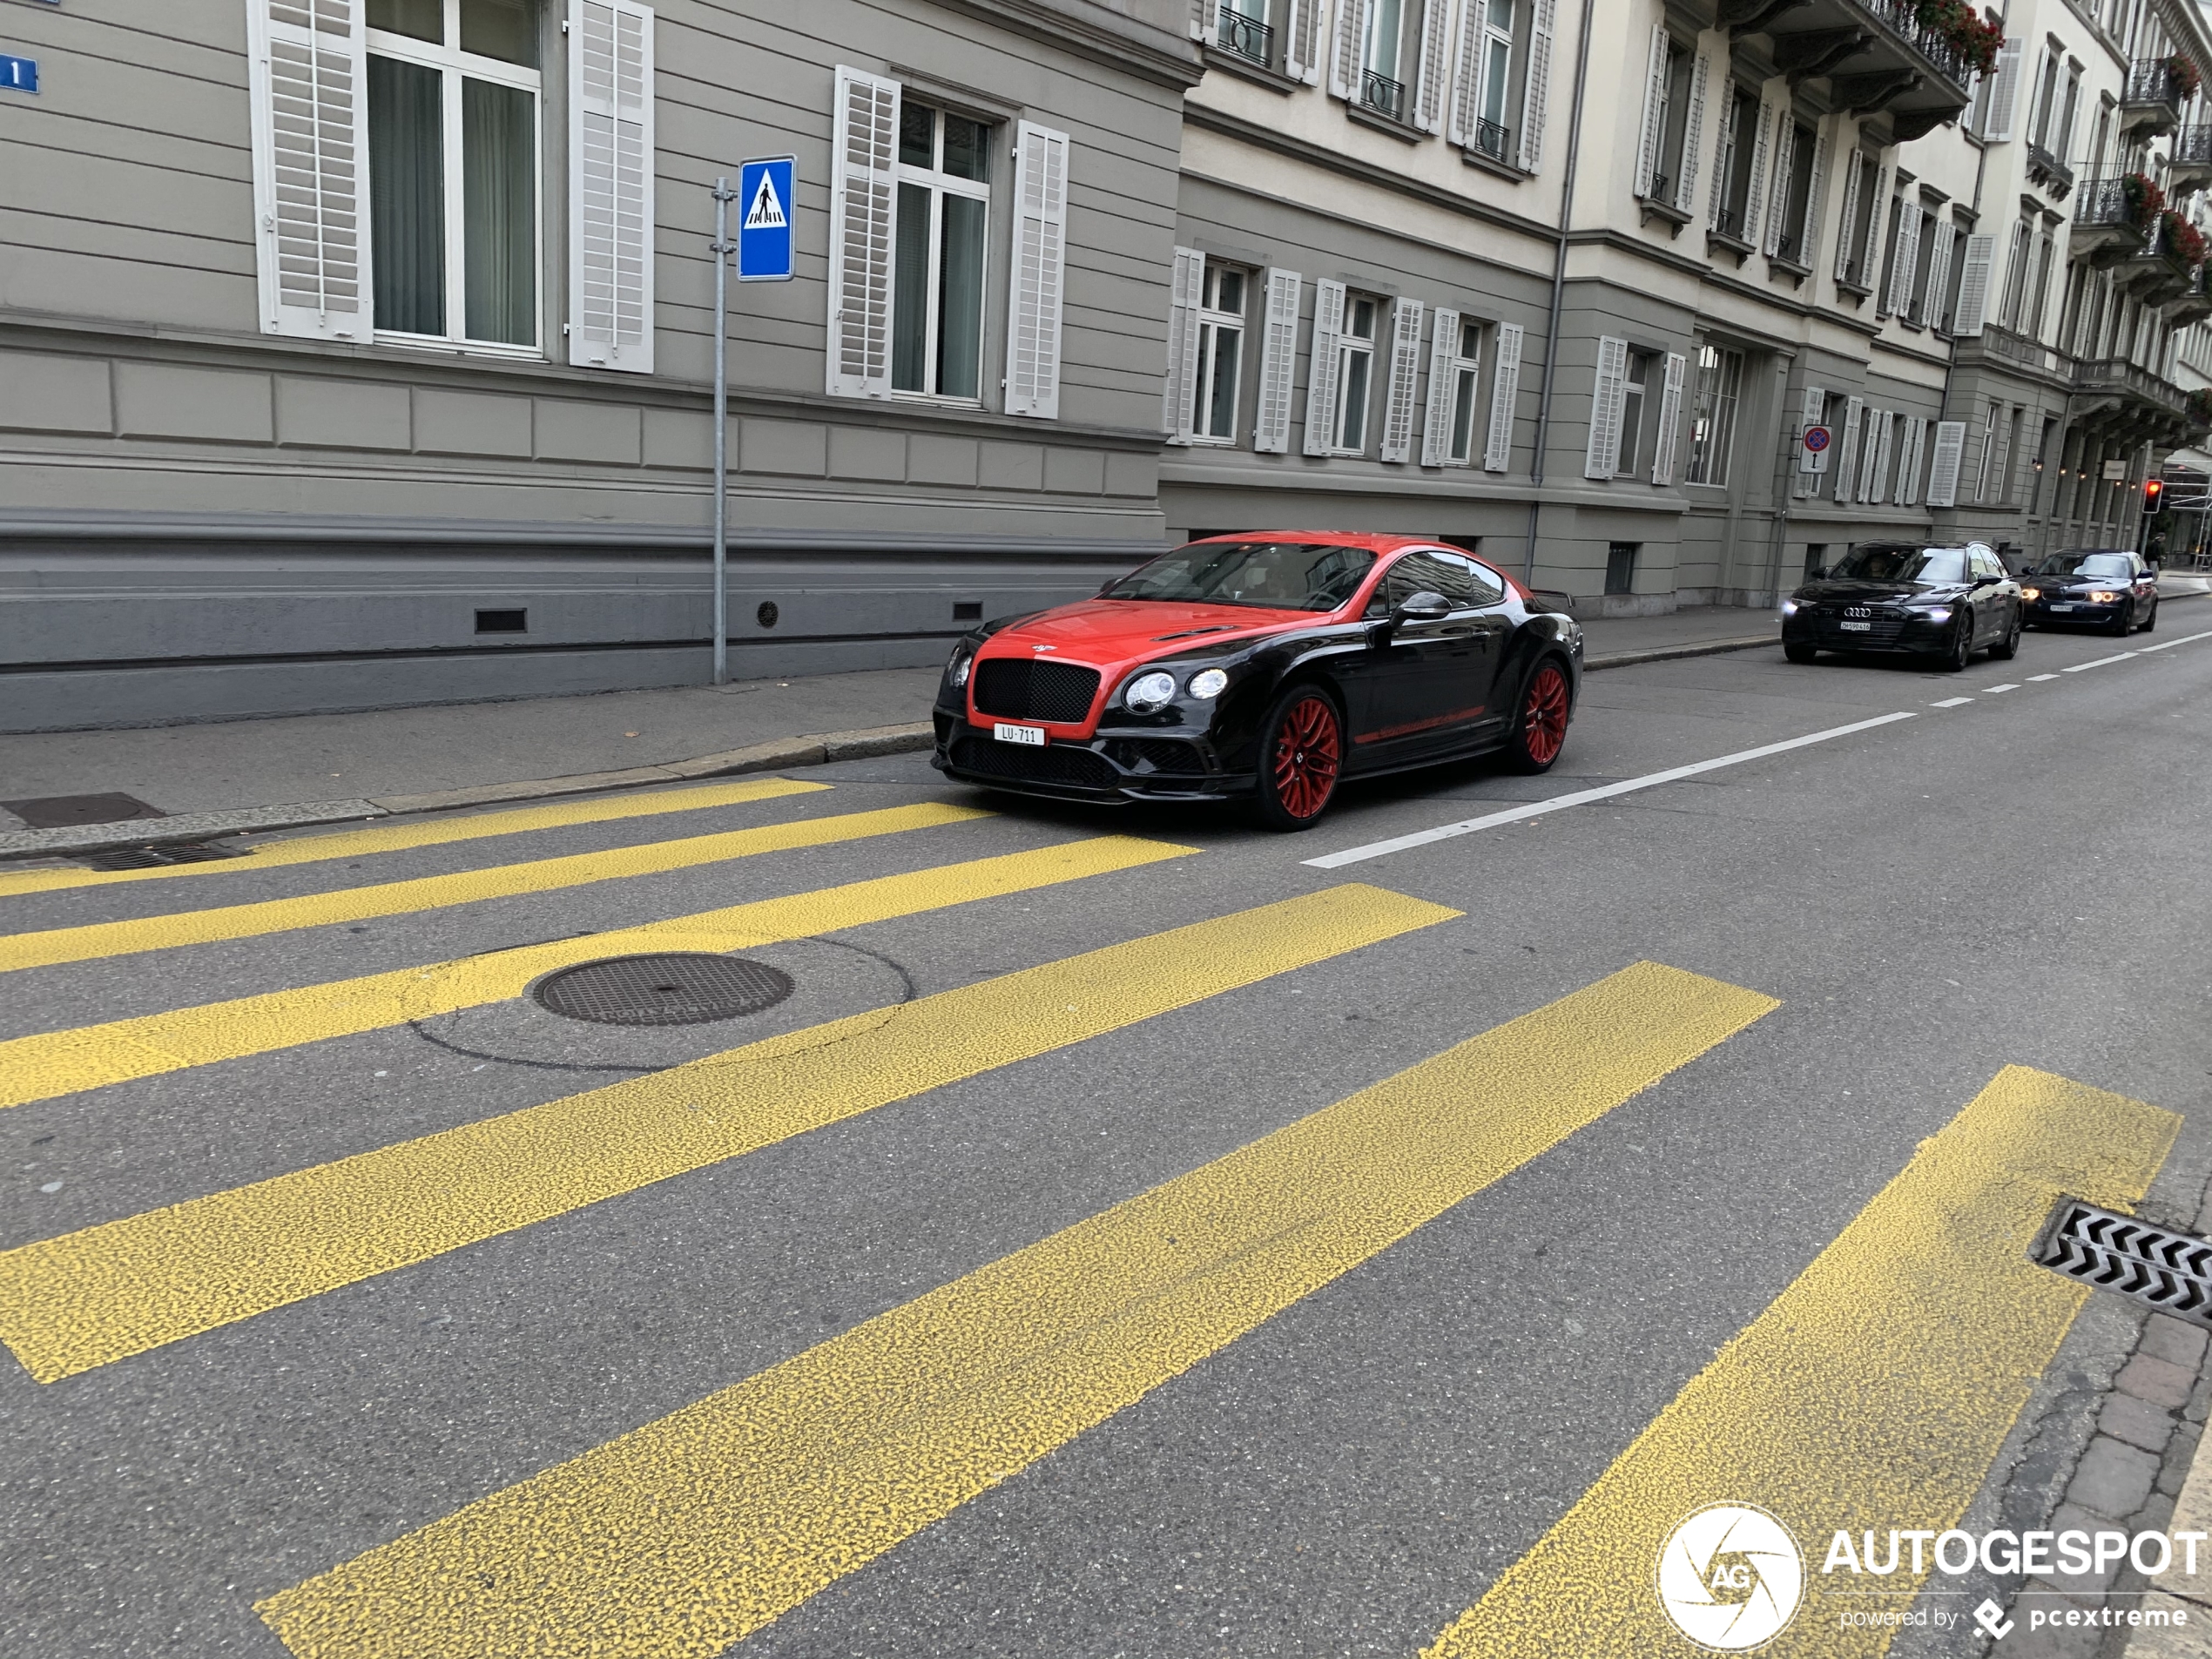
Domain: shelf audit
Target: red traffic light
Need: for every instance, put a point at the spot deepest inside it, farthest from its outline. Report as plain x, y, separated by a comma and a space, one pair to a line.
2153, 494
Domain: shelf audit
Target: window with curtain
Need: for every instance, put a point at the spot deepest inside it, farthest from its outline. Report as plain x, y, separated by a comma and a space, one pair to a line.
937, 278
454, 173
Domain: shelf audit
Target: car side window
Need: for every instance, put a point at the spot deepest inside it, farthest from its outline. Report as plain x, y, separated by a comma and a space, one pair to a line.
1462, 581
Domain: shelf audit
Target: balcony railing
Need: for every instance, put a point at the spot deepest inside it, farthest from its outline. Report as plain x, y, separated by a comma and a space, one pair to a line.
1248, 37
1383, 94
2153, 97
1491, 138
1729, 222
1901, 18
2118, 375
2188, 159
2106, 225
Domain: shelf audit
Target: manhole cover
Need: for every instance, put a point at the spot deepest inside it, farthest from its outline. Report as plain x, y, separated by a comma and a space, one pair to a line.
685, 987
2171, 1271
66, 812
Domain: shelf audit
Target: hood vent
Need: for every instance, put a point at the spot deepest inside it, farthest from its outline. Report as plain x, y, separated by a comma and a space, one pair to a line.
1192, 633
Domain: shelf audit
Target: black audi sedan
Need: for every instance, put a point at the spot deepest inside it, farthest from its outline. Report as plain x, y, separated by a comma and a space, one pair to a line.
1943, 602
2107, 587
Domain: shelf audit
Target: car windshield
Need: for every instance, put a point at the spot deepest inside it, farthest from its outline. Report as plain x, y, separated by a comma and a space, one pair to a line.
1895, 562
2086, 564
1281, 576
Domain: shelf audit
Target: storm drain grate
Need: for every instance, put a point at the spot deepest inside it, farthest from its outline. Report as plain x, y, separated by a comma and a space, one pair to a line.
2169, 1271
148, 858
674, 988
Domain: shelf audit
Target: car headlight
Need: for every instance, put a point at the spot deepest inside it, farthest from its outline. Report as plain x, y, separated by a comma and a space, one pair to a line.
2103, 599
956, 670
1209, 682
1148, 693
2031, 593
1933, 613
1789, 607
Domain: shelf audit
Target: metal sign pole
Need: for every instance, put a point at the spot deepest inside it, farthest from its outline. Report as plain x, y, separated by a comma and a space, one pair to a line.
723, 248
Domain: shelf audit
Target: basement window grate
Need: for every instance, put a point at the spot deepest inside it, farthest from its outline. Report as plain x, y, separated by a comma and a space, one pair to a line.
503, 621
2167, 1271
152, 858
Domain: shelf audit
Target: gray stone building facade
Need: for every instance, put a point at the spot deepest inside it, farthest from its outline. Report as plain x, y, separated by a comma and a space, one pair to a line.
357, 352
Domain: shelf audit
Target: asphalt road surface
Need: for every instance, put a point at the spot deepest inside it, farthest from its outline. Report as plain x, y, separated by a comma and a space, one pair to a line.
1129, 1234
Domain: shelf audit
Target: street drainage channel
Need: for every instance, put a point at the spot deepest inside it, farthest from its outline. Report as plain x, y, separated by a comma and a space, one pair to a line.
2169, 1271
667, 987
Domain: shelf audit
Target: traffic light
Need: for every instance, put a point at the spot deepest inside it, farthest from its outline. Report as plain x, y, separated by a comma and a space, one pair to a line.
2154, 494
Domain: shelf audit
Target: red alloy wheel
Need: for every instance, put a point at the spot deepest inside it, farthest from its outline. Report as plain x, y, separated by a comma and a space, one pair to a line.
1308, 754
1543, 716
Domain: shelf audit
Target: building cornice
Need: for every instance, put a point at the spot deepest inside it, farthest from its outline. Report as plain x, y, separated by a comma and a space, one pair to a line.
1096, 32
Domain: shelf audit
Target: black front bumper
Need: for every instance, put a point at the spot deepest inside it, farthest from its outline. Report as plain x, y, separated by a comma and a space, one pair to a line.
1105, 770
2078, 611
1893, 632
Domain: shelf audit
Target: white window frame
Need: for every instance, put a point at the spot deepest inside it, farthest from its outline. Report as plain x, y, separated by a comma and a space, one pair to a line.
1700, 452
1212, 322
1496, 44
1455, 374
1635, 384
939, 184
452, 64
1350, 346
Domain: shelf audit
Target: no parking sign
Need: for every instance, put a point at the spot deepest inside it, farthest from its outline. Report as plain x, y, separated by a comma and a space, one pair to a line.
1813, 454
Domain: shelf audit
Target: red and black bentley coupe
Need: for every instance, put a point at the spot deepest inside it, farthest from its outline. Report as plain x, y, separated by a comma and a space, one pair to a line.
1271, 666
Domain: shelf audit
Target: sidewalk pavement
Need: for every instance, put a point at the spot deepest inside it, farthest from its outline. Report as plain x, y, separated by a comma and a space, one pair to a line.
231, 776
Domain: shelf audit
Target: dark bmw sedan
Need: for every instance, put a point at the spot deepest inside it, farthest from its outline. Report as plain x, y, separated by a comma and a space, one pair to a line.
1943, 602
2108, 588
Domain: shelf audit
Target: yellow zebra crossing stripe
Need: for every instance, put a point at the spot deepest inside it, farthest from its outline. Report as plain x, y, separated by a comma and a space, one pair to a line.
683, 1536
61, 1062
1874, 1393
430, 892
109, 1291
438, 832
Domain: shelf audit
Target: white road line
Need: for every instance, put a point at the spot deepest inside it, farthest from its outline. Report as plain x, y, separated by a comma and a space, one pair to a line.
1951, 703
2169, 645
2033, 679
2077, 667
1991, 691
1582, 796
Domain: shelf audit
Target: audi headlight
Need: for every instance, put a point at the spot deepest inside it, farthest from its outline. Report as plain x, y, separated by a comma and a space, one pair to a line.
1209, 682
1789, 607
1148, 693
956, 670
1935, 613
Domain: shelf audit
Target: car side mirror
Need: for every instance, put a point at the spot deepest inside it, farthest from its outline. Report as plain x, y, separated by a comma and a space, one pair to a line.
1987, 581
1421, 607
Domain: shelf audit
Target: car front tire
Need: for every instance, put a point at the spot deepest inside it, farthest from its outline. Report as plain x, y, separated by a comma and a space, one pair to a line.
2151, 621
1540, 731
2124, 624
1797, 653
1301, 759
2009, 647
1957, 654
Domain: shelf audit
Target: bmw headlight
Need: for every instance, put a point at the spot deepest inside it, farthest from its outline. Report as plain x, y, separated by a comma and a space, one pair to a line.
956, 670
1148, 693
1209, 682
2031, 594
2102, 598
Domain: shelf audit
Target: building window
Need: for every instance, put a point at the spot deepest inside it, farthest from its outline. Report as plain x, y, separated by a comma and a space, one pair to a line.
1988, 449
1221, 340
1355, 361
2017, 259
1621, 567
1816, 560
1948, 305
452, 169
1670, 123
1382, 84
1497, 70
1795, 242
1634, 380
2047, 98
1462, 367
937, 283
1737, 151
1859, 191
1242, 27
1712, 430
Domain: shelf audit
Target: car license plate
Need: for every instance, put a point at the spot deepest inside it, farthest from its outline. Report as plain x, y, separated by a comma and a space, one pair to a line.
1858, 627
2059, 607
1032, 735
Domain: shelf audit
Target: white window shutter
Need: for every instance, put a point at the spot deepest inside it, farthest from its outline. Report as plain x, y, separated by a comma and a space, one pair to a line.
1505, 396
1723, 160
1301, 39
1435, 85
1809, 409
1663, 454
2005, 94
1655, 98
610, 186
1938, 268
1348, 53
1973, 291
1693, 135
863, 233
1203, 23
1847, 448
1611, 387
2000, 467
1278, 364
1874, 471
1185, 291
1466, 81
1038, 280
1755, 203
1877, 228
1443, 354
1405, 379
1535, 98
1321, 367
1855, 167
1899, 294
1786, 161
1943, 470
1908, 459
308, 80
1816, 198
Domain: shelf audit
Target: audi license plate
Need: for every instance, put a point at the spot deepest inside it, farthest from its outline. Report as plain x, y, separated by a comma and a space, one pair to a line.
1032, 735
1858, 627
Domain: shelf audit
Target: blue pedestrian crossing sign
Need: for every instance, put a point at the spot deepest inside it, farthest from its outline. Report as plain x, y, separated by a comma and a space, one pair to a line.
765, 209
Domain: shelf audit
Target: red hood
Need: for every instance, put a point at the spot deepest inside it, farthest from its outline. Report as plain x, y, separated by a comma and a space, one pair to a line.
1116, 635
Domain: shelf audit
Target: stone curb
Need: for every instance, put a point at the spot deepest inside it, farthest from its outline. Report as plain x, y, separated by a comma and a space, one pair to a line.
190, 826
1667, 653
